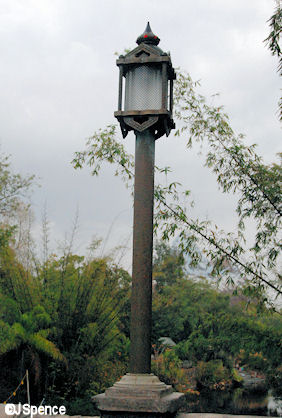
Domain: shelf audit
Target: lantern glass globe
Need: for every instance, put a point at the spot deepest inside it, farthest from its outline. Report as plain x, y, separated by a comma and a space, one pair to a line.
143, 88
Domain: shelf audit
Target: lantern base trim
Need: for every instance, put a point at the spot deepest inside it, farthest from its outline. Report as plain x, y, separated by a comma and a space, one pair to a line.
149, 112
139, 121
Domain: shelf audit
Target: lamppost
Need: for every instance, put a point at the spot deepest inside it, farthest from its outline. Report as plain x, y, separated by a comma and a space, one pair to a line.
145, 106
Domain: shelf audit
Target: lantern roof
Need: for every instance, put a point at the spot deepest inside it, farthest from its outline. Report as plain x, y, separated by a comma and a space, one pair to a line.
148, 37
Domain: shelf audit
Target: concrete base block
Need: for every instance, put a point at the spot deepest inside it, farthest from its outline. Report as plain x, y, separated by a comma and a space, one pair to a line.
139, 395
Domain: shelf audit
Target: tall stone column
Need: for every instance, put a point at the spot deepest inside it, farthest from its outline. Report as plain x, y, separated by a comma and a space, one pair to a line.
141, 299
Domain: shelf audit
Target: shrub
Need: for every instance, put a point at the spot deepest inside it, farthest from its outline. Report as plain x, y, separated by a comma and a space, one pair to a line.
274, 379
212, 375
236, 378
253, 361
167, 366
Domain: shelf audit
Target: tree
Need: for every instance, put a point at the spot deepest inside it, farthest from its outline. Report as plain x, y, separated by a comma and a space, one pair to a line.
272, 42
211, 326
13, 187
13, 191
238, 170
168, 266
60, 318
24, 323
63, 322
84, 299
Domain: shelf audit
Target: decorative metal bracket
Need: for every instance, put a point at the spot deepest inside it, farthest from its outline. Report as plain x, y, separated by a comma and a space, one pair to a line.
142, 125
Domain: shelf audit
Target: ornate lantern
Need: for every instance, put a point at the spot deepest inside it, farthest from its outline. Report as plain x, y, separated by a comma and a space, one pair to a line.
146, 100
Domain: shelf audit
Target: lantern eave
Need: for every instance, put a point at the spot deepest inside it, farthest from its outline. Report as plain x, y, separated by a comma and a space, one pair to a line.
143, 54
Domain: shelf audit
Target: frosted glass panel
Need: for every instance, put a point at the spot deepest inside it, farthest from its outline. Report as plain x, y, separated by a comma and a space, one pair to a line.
143, 88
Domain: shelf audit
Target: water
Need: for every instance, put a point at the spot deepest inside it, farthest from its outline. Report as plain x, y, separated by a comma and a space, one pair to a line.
238, 402
274, 404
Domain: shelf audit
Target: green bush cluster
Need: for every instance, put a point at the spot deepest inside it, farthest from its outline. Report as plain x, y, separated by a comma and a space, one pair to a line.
274, 380
64, 322
213, 375
214, 330
253, 361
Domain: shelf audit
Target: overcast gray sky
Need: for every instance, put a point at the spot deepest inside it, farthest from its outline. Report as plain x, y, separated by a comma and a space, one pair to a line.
58, 84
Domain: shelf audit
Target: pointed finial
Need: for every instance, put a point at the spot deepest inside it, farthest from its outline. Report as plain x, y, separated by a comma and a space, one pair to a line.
148, 37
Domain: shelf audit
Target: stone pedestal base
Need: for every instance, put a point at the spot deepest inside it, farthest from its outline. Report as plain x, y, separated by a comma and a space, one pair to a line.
139, 395
120, 414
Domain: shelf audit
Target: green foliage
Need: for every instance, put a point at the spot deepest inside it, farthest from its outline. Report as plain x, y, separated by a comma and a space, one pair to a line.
86, 309
13, 187
66, 315
14, 190
167, 366
274, 379
275, 24
213, 330
236, 377
15, 282
102, 146
253, 361
179, 308
272, 41
213, 375
6, 232
25, 324
237, 168
168, 266
63, 319
210, 325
